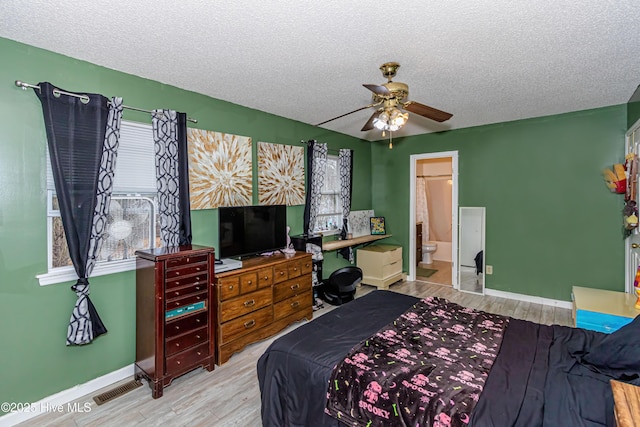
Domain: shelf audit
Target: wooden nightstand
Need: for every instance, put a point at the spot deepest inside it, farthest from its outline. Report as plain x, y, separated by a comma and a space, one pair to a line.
626, 398
603, 311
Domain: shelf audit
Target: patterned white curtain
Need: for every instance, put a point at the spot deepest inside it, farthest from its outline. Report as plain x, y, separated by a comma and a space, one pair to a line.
317, 161
422, 209
345, 165
165, 135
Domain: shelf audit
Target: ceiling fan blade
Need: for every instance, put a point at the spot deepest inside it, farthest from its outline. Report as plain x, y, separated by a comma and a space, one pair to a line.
426, 111
369, 124
378, 90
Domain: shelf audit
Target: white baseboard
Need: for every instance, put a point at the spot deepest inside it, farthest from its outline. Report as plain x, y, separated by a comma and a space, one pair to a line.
529, 298
59, 401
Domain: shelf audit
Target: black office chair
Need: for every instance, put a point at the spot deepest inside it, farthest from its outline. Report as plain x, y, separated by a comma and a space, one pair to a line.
340, 287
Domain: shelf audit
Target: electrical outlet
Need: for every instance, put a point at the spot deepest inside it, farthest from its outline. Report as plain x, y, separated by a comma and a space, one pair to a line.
489, 269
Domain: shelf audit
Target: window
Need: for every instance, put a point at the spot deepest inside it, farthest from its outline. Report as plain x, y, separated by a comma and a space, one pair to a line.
329, 217
133, 221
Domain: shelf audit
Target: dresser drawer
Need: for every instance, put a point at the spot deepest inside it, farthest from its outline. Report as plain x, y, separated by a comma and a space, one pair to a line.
294, 304
248, 283
187, 300
244, 304
281, 272
228, 287
236, 328
186, 270
307, 266
186, 359
391, 269
197, 279
294, 269
190, 259
185, 324
186, 290
265, 277
291, 287
182, 342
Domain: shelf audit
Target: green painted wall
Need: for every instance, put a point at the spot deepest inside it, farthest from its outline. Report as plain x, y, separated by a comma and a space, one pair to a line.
550, 221
34, 361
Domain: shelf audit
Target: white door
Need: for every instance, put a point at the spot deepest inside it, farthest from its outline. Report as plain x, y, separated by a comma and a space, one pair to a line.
632, 243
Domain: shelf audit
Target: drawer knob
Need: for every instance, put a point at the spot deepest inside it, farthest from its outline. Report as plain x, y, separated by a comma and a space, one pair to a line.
197, 288
177, 362
295, 268
296, 286
282, 273
199, 353
230, 287
177, 293
177, 344
249, 303
197, 320
249, 324
177, 328
249, 282
295, 304
198, 337
266, 277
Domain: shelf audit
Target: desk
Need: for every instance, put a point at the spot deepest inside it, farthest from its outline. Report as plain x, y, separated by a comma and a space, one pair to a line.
332, 245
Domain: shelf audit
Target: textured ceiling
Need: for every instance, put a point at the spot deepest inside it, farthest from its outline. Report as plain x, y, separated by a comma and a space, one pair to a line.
484, 61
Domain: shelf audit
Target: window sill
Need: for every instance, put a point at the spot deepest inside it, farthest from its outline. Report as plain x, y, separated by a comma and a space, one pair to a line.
68, 274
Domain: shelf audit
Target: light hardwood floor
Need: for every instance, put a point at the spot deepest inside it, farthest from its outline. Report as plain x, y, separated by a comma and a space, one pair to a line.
229, 396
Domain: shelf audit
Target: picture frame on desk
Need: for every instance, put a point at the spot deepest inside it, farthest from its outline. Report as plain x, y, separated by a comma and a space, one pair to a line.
377, 226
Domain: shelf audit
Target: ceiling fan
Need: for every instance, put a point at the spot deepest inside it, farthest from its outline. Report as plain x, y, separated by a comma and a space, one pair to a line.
388, 99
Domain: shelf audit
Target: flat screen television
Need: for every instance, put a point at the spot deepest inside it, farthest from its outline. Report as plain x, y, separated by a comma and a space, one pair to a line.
251, 230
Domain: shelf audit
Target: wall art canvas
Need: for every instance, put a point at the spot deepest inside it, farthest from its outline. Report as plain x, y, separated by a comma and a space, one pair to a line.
220, 169
280, 174
359, 223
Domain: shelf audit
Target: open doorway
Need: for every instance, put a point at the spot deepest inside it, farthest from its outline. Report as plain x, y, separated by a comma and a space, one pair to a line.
433, 254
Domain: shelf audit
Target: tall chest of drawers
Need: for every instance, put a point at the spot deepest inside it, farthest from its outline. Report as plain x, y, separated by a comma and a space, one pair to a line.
175, 313
260, 299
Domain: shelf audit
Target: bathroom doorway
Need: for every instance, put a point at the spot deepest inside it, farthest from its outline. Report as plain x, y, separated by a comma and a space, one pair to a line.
433, 254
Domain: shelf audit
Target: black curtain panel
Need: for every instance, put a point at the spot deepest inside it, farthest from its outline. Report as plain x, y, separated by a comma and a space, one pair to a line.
183, 168
346, 180
82, 134
307, 205
172, 174
316, 169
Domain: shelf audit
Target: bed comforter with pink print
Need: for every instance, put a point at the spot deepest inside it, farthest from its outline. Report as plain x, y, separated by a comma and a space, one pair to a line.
426, 368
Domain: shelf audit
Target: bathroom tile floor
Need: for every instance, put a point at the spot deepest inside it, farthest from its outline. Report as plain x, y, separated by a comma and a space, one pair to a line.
441, 277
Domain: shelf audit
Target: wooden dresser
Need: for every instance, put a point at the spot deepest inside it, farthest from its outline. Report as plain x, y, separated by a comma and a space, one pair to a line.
381, 265
260, 299
175, 313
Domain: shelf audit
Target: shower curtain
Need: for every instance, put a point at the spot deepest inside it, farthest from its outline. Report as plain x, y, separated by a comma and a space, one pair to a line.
422, 209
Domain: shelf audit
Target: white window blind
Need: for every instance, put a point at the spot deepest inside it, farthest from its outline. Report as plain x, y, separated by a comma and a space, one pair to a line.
135, 164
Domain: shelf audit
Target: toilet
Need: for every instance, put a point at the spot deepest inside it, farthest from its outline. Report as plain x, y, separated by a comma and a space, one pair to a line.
427, 251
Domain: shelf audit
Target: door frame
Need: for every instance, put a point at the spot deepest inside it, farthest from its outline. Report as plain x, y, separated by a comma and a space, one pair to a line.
413, 161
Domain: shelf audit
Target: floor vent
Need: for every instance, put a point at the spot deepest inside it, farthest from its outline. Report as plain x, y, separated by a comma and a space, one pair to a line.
116, 392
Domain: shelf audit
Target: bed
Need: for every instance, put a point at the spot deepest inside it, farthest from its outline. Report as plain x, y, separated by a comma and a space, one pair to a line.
320, 374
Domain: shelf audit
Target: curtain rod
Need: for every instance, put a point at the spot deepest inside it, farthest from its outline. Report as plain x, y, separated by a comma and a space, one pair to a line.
330, 150
85, 98
434, 176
